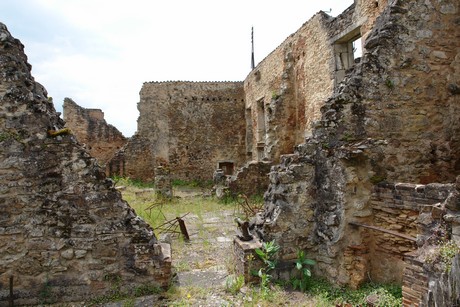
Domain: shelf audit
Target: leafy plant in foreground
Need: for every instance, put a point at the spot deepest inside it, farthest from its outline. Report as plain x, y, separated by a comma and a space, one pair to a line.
267, 255
302, 264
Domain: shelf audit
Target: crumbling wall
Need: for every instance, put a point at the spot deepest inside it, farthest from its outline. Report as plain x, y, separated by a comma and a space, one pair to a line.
285, 92
251, 179
134, 160
65, 232
432, 272
397, 207
191, 126
89, 126
395, 118
276, 90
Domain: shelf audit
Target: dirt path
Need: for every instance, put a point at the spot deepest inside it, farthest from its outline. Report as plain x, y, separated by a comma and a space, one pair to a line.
203, 265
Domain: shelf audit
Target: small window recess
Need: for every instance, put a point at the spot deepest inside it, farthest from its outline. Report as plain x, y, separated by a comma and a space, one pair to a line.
228, 167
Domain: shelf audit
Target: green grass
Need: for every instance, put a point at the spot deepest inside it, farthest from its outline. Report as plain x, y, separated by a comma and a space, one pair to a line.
192, 183
324, 292
126, 181
156, 211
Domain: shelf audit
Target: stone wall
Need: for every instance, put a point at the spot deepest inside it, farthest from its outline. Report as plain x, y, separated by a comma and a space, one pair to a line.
397, 207
394, 118
443, 288
89, 126
251, 179
271, 112
283, 96
65, 232
134, 160
192, 126
415, 282
285, 92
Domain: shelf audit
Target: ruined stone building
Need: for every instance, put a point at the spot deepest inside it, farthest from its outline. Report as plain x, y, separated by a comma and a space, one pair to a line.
102, 140
364, 152
359, 157
197, 127
190, 127
395, 117
65, 232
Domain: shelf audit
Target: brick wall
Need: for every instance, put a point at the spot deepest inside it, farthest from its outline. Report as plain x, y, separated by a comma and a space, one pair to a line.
415, 282
397, 207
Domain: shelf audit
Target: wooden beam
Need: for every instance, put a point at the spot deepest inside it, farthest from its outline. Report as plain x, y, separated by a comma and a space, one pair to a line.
391, 232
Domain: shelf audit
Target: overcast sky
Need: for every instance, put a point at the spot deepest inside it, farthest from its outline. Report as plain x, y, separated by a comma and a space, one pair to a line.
100, 52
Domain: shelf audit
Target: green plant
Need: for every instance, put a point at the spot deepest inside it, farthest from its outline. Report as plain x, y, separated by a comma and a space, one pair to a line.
233, 284
275, 95
348, 137
376, 179
46, 294
132, 182
228, 198
327, 294
443, 254
389, 83
267, 254
54, 133
4, 136
302, 265
192, 183
146, 289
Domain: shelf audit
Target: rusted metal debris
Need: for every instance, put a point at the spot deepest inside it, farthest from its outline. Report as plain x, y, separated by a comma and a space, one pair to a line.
158, 206
11, 297
172, 225
183, 229
248, 208
243, 226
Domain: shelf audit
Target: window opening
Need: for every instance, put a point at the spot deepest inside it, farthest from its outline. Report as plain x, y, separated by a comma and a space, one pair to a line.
227, 167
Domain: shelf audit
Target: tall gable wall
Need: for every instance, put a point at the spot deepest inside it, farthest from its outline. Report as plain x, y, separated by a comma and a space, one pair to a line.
285, 92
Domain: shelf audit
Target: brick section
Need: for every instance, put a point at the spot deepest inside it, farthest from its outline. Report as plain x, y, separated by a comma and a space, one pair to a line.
415, 281
397, 207
246, 258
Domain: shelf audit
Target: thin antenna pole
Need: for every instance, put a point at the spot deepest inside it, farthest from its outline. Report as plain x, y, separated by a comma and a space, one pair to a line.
252, 51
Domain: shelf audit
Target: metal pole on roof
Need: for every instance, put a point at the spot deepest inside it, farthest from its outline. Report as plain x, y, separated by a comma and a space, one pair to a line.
252, 45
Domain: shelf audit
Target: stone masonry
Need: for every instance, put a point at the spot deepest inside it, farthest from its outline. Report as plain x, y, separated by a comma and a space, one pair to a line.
89, 126
65, 232
189, 127
193, 126
285, 92
359, 148
394, 118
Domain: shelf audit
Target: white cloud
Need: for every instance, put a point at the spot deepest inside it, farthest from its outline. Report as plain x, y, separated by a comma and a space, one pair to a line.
99, 52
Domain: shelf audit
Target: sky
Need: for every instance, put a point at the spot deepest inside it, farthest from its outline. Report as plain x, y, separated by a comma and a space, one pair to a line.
100, 52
